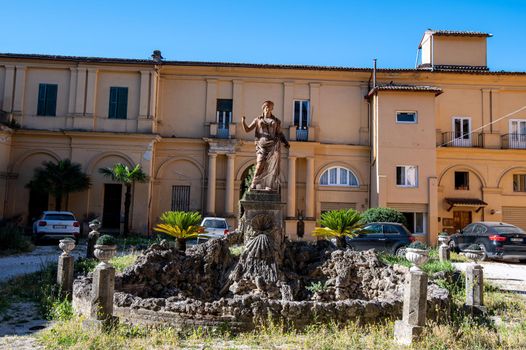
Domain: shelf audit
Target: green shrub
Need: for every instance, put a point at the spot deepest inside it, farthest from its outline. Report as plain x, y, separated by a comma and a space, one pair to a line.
316, 287
417, 245
13, 240
383, 215
106, 240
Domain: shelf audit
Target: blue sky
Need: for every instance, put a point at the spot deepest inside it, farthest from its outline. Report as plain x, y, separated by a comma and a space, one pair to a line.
335, 33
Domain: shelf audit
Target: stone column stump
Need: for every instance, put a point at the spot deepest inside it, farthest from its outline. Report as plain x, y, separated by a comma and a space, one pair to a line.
103, 287
443, 248
65, 267
413, 320
475, 288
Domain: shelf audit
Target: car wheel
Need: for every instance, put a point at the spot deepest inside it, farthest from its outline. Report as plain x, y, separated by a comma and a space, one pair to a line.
400, 252
483, 248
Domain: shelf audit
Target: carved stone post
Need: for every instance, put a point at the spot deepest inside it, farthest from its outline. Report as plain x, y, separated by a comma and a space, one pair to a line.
474, 282
413, 320
65, 266
92, 237
103, 287
443, 249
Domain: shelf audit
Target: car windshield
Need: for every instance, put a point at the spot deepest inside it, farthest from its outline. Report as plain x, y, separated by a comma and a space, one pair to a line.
214, 224
61, 217
507, 229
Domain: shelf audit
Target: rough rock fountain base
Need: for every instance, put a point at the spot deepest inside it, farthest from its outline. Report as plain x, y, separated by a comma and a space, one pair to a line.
273, 279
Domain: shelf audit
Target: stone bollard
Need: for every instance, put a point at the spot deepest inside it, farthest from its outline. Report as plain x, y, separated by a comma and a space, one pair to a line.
92, 237
65, 266
443, 248
103, 287
413, 320
474, 286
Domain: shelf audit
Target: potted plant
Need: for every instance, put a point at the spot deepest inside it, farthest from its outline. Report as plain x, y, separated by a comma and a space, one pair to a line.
474, 252
417, 254
105, 249
443, 238
182, 225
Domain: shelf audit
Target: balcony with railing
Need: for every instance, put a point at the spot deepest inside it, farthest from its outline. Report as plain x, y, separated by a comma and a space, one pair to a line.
302, 134
452, 139
223, 128
513, 141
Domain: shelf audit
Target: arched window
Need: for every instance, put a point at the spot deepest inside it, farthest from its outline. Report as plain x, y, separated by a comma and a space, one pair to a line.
338, 176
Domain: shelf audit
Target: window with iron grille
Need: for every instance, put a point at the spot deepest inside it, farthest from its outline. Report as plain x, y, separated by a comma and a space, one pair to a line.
180, 198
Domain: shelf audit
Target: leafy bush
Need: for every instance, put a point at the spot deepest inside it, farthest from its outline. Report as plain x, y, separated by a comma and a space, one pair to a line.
13, 240
417, 245
106, 240
317, 287
383, 215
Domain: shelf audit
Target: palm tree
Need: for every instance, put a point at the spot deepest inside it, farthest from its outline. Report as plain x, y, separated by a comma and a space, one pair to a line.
121, 173
339, 224
180, 224
59, 179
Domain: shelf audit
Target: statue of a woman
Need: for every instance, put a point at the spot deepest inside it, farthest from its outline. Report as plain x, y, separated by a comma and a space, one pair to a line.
268, 148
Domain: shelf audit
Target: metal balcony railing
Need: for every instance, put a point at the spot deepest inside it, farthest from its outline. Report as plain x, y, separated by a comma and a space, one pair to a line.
223, 132
514, 141
302, 134
450, 139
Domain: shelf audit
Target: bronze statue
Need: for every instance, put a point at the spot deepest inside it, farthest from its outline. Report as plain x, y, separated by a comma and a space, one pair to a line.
268, 148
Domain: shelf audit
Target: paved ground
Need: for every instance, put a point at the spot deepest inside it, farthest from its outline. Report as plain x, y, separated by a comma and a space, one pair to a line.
20, 264
507, 276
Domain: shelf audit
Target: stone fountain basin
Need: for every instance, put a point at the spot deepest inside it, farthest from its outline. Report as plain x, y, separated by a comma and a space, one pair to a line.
136, 302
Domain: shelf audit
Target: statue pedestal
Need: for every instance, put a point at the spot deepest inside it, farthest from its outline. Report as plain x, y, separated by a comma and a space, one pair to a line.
262, 224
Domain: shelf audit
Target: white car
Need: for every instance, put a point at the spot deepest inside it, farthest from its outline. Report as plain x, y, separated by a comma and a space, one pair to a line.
214, 227
56, 225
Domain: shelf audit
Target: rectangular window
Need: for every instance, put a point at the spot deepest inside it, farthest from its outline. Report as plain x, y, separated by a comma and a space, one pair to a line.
519, 183
301, 114
180, 198
416, 222
461, 180
406, 175
224, 113
118, 103
47, 100
406, 117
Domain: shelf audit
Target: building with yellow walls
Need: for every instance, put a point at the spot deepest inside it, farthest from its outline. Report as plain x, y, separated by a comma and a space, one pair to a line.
444, 142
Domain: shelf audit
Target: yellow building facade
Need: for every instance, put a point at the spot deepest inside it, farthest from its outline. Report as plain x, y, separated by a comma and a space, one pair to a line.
445, 142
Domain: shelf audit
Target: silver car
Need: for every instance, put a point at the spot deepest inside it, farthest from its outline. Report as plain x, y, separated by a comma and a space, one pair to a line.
215, 228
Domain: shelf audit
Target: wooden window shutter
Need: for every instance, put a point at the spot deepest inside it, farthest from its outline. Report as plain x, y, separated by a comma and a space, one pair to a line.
41, 107
51, 99
122, 103
113, 103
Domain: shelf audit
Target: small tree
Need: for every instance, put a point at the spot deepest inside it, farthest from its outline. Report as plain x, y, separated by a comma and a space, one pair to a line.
121, 173
383, 215
59, 179
339, 224
180, 224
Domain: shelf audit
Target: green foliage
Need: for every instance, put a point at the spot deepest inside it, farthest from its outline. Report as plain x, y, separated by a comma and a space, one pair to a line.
106, 240
236, 250
339, 223
389, 259
417, 245
180, 224
383, 215
248, 179
123, 174
474, 246
13, 240
83, 266
53, 304
59, 179
443, 234
317, 287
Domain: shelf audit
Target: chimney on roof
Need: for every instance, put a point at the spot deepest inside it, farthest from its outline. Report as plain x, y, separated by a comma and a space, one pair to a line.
449, 49
156, 56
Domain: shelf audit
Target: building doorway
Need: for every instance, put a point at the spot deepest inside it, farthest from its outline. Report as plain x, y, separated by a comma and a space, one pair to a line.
461, 219
38, 202
111, 212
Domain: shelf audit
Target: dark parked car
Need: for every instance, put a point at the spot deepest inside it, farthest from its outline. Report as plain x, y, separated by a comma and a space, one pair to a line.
383, 236
498, 240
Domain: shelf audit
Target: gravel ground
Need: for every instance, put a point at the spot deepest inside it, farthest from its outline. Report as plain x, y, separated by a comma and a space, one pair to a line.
20, 264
